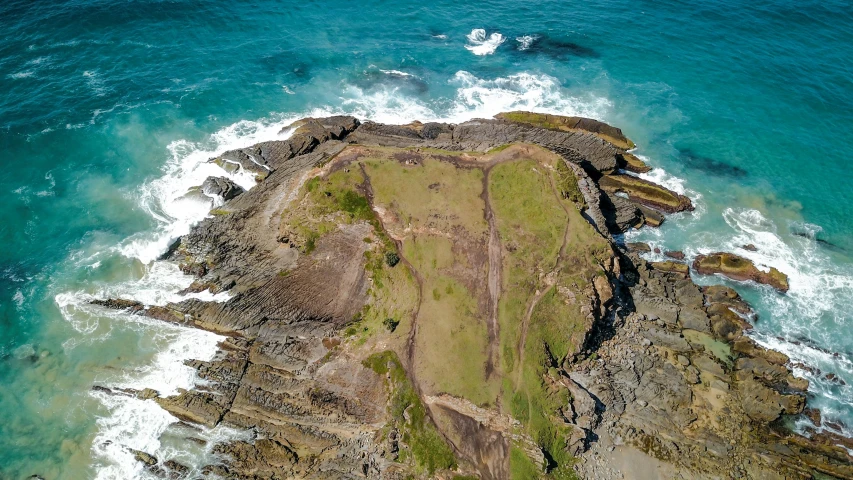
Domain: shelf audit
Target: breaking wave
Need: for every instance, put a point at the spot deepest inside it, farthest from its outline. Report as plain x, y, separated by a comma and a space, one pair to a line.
479, 44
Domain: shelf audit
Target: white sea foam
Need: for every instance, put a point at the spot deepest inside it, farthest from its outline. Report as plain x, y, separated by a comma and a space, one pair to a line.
20, 75
18, 298
164, 197
524, 42
474, 98
95, 82
479, 44
134, 423
396, 73
140, 424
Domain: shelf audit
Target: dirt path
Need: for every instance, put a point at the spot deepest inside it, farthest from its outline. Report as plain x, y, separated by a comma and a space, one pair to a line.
494, 278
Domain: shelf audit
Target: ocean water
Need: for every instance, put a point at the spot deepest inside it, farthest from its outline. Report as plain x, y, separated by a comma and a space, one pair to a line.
109, 110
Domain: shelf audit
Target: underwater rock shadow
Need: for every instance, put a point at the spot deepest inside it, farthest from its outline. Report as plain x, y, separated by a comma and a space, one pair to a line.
556, 48
696, 161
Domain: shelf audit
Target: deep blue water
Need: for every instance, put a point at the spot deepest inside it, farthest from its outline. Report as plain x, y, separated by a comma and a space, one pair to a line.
109, 110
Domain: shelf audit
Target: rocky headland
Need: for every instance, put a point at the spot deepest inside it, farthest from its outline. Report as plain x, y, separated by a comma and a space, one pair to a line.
448, 301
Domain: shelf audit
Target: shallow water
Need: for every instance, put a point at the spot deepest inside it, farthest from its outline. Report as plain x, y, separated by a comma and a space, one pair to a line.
111, 108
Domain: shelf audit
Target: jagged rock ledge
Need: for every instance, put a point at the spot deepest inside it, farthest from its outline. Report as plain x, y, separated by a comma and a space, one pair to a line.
660, 380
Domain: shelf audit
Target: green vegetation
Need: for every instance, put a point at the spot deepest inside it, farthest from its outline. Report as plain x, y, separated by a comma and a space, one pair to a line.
434, 208
390, 324
499, 148
409, 415
219, 211
520, 465
452, 341
392, 259
434, 194
551, 122
567, 183
559, 122
325, 203
552, 254
440, 213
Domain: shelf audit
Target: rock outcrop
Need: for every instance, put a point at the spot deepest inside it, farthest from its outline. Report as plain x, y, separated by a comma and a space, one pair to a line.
221, 187
739, 268
525, 342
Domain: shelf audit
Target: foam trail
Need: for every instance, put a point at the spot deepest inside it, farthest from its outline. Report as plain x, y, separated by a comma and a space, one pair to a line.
479, 44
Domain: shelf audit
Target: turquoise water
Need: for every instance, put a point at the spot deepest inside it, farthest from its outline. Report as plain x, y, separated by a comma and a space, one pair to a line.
110, 109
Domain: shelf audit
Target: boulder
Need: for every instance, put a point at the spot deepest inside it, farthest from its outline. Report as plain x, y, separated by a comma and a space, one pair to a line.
674, 254
641, 247
739, 268
221, 187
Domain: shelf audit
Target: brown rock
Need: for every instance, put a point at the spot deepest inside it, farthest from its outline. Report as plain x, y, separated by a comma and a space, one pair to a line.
739, 268
633, 164
646, 193
568, 124
674, 254
672, 267
638, 247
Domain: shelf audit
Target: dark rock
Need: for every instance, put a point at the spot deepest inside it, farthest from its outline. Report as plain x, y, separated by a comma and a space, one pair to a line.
602, 130
221, 187
638, 247
750, 248
432, 130
119, 304
146, 458
813, 414
632, 164
674, 254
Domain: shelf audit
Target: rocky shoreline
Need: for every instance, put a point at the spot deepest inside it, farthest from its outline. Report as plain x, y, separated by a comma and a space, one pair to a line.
660, 380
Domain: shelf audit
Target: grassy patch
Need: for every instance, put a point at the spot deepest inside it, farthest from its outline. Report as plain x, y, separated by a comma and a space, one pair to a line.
219, 211
499, 148
409, 415
439, 210
532, 223
433, 194
452, 339
324, 203
567, 183
520, 465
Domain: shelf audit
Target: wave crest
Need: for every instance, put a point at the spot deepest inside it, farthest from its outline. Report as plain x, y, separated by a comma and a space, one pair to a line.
479, 44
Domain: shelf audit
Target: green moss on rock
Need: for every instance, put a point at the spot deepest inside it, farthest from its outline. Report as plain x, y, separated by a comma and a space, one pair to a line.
739, 268
646, 193
602, 130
